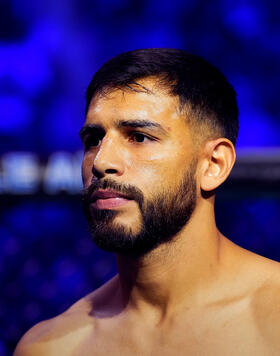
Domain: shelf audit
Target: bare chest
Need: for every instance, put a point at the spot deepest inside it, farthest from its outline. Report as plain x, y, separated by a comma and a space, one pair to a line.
209, 336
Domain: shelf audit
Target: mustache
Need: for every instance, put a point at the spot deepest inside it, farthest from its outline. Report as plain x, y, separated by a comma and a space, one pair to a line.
126, 189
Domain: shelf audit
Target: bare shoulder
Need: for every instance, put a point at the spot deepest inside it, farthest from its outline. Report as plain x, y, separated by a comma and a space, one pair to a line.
55, 336
266, 300
255, 280
50, 335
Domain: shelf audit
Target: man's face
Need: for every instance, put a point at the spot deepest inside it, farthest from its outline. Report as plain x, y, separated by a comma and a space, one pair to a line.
138, 170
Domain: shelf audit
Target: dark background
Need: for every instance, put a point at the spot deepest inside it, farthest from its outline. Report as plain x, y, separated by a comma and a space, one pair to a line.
48, 54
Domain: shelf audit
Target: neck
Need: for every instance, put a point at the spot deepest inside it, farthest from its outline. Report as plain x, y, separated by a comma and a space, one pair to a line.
175, 273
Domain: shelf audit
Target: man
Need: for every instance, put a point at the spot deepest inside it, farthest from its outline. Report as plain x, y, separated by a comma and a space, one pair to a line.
159, 138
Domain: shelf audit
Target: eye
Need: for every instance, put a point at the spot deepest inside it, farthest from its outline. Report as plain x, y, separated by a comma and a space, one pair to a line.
91, 141
139, 137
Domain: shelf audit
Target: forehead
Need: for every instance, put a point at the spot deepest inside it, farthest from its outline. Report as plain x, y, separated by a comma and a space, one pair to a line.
154, 104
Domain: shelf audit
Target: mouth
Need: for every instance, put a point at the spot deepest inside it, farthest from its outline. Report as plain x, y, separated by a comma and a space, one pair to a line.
108, 199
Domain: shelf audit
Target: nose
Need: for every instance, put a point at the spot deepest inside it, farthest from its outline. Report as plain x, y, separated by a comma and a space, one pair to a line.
108, 160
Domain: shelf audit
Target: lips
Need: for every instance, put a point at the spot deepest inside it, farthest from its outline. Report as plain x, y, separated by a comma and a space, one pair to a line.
108, 199
107, 194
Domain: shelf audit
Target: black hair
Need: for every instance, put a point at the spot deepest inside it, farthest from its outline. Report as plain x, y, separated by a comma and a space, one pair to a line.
197, 83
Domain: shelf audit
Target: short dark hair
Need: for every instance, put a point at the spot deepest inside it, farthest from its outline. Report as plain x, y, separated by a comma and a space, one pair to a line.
198, 84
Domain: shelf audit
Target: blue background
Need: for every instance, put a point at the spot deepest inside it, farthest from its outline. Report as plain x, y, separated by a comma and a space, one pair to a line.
48, 54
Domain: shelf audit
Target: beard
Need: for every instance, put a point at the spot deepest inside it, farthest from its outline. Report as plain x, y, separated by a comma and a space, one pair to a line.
163, 216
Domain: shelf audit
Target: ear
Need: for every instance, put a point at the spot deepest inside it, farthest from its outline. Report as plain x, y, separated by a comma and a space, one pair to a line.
217, 162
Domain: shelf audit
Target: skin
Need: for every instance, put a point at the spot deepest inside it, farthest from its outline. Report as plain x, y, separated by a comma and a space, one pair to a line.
200, 294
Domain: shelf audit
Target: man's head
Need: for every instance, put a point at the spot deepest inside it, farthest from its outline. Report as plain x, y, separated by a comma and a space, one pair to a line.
149, 112
205, 96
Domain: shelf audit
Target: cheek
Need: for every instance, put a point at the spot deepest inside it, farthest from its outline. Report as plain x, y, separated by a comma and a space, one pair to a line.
163, 162
150, 177
160, 171
86, 172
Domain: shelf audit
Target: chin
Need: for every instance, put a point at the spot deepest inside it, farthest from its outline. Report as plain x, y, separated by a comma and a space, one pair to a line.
131, 226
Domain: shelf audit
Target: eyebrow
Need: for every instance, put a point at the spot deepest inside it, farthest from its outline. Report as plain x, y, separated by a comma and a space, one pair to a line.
87, 129
141, 124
